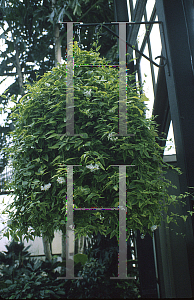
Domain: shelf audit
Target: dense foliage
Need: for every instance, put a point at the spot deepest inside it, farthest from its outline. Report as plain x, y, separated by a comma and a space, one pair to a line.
101, 265
22, 277
27, 28
40, 152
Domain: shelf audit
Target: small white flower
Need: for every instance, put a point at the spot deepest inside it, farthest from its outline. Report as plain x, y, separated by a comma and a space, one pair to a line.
111, 137
112, 110
45, 187
142, 236
92, 168
87, 93
47, 84
61, 180
154, 227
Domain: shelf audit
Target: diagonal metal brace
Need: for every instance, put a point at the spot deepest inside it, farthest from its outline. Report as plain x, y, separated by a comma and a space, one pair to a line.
128, 44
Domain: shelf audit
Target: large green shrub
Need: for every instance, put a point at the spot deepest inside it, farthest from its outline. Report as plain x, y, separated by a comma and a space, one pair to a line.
23, 277
40, 151
101, 265
37, 279
96, 284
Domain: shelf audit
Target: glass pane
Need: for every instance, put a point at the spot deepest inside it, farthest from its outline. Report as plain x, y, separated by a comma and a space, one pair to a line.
149, 8
134, 3
147, 82
141, 34
170, 143
156, 45
129, 11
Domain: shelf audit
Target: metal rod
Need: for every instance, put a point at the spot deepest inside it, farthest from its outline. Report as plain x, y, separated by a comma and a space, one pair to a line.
138, 51
113, 23
131, 46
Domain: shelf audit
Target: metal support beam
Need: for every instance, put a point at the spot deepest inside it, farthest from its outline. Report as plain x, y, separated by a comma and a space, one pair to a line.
171, 249
144, 247
121, 11
161, 107
147, 274
180, 86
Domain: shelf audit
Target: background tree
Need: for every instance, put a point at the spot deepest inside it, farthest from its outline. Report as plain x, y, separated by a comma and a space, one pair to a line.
34, 37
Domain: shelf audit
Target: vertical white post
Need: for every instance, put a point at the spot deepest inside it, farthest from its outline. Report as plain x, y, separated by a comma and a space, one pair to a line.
70, 87
122, 80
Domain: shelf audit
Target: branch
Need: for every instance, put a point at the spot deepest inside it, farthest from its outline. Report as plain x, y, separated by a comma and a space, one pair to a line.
83, 16
8, 74
19, 71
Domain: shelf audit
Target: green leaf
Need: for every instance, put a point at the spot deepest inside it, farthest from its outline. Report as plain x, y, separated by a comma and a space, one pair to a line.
61, 293
113, 233
46, 157
52, 135
84, 135
50, 292
24, 183
67, 147
80, 258
27, 174
8, 281
115, 187
92, 195
101, 166
6, 234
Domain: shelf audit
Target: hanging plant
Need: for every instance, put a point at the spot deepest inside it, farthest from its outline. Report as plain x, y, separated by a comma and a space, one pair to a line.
40, 152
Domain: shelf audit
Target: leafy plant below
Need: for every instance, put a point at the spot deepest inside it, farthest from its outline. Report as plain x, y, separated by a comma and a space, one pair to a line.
37, 279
